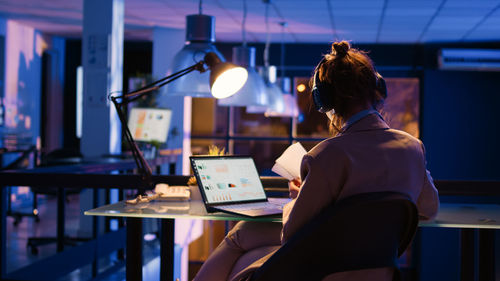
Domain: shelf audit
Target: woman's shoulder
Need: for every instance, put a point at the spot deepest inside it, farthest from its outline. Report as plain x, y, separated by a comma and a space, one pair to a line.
328, 146
342, 144
404, 135
338, 142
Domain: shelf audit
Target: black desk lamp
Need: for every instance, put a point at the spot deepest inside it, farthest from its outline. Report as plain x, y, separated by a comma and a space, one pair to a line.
225, 80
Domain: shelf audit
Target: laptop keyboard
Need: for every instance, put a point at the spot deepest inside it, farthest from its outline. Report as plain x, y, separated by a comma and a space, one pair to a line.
251, 206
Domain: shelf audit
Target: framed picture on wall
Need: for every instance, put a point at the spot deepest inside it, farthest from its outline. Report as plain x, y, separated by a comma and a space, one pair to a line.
402, 106
401, 109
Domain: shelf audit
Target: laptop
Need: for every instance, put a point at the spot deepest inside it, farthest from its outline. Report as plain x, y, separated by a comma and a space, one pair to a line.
231, 184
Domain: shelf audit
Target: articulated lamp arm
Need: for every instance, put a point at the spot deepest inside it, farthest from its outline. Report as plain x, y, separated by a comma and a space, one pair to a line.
120, 103
225, 80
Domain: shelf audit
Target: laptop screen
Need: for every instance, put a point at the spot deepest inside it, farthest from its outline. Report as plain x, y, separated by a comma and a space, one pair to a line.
228, 179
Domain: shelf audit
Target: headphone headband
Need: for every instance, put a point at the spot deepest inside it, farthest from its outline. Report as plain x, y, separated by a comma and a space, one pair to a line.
323, 93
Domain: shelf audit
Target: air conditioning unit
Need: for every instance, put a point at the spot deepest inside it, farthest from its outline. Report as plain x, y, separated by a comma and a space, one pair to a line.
469, 59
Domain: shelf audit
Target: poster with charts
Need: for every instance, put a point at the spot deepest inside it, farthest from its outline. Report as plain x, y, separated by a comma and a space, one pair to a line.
149, 124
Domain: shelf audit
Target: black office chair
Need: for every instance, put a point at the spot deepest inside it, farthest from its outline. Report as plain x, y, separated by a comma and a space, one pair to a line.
364, 231
54, 158
21, 162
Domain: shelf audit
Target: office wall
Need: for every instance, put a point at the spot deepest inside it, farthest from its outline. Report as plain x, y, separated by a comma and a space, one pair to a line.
2, 73
52, 95
23, 52
460, 131
23, 49
136, 61
460, 124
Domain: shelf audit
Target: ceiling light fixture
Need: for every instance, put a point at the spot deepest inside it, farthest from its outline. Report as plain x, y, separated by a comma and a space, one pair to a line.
276, 102
253, 93
200, 38
291, 108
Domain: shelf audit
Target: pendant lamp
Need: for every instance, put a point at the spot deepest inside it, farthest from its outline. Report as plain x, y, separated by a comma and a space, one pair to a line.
283, 83
253, 93
274, 94
200, 38
290, 103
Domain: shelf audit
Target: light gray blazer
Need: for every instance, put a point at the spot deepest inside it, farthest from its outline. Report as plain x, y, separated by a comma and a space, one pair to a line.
368, 157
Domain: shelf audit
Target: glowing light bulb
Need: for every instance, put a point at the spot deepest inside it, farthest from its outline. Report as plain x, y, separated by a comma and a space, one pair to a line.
301, 88
229, 82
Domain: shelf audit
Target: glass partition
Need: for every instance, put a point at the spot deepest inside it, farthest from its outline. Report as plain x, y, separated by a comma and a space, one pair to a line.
265, 138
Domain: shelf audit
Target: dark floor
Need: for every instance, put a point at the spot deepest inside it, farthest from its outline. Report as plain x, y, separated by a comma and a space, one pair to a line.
19, 255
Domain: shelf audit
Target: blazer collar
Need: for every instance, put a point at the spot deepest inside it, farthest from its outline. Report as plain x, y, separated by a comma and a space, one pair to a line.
367, 123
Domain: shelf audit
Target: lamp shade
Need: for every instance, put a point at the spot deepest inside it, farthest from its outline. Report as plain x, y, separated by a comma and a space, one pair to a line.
200, 36
291, 108
225, 78
253, 93
274, 94
276, 101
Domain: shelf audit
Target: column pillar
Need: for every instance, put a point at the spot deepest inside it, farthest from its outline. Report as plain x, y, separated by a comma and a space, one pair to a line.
102, 60
166, 44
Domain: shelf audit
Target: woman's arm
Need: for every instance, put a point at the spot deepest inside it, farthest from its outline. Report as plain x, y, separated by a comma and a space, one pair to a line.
428, 199
320, 186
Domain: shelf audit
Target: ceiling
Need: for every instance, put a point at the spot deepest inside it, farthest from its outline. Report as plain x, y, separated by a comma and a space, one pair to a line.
308, 21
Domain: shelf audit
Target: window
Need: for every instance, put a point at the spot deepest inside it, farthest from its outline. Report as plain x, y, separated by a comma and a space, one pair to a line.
265, 138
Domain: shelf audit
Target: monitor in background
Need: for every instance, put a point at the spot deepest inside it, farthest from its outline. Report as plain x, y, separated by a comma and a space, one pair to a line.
149, 124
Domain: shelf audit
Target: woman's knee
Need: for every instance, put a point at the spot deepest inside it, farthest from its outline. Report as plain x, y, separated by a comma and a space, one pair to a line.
247, 235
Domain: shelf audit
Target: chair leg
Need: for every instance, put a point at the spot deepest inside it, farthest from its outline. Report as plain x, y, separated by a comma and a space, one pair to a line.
35, 207
35, 203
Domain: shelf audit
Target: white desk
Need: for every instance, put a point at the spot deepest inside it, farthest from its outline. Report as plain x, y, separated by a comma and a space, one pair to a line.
467, 217
476, 216
484, 218
167, 212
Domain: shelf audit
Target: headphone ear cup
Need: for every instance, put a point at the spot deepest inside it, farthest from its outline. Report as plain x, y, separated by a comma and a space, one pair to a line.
322, 93
318, 99
380, 84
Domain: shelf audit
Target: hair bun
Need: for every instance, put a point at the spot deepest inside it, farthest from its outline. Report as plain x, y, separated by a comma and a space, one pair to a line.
340, 48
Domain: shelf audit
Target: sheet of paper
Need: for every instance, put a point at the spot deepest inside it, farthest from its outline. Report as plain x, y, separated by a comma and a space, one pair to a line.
290, 161
282, 172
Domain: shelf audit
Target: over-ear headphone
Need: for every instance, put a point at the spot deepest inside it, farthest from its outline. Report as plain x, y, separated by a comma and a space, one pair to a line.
323, 93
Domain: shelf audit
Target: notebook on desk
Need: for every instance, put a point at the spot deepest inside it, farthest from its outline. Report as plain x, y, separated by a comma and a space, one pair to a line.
232, 184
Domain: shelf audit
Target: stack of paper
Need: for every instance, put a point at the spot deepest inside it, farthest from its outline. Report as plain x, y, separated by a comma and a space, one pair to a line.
288, 164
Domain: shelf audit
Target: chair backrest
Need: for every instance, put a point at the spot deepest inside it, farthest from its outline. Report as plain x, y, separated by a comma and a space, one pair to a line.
368, 230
